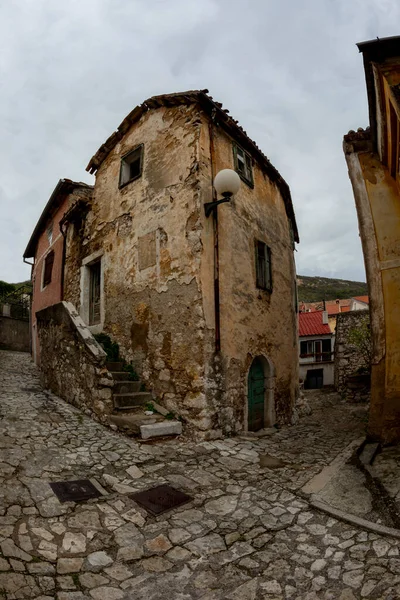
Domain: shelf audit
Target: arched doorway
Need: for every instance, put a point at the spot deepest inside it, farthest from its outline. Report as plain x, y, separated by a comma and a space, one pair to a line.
260, 395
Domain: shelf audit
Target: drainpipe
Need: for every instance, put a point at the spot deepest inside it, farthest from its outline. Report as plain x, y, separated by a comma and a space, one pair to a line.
216, 248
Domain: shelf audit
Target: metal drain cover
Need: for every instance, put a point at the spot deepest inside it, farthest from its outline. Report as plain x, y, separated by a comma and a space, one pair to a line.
74, 491
160, 499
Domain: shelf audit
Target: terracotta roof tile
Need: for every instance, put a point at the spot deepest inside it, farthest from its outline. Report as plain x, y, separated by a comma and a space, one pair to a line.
364, 299
311, 324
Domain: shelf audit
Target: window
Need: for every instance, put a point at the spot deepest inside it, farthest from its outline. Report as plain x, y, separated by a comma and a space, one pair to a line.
131, 166
243, 164
48, 268
263, 266
317, 350
49, 232
94, 293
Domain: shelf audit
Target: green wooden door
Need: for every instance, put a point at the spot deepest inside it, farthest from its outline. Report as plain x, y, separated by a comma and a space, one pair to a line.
256, 396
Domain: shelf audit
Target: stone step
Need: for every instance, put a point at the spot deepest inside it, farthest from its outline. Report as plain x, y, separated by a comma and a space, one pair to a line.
120, 375
131, 422
114, 366
161, 428
126, 387
126, 401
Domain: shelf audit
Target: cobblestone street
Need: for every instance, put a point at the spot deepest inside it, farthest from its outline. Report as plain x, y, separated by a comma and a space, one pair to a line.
247, 535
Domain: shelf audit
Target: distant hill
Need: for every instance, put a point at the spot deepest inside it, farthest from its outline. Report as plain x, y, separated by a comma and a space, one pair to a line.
313, 289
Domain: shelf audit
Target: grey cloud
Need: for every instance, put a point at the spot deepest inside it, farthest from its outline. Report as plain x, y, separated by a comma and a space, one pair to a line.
289, 71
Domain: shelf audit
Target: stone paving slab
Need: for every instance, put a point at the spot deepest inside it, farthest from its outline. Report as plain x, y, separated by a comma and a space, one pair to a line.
247, 535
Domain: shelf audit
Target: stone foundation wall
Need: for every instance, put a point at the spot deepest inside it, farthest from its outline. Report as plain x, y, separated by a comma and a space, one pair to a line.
14, 335
72, 362
349, 359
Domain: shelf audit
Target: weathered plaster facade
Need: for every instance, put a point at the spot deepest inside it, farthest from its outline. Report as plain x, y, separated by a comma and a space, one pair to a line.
157, 252
373, 157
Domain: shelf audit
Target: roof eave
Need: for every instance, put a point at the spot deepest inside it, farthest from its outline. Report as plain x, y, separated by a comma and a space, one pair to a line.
63, 186
214, 110
376, 51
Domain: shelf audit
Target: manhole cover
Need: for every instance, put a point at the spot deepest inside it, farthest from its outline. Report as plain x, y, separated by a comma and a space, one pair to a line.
160, 499
75, 491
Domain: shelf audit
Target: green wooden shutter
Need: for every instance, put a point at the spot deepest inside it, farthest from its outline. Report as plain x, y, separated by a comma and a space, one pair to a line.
268, 270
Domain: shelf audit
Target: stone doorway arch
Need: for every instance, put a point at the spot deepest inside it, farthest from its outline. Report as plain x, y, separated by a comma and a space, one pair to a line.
260, 404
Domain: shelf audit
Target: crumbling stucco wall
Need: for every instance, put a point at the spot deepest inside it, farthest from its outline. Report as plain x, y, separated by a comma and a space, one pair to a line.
350, 359
149, 234
72, 362
378, 209
253, 322
158, 268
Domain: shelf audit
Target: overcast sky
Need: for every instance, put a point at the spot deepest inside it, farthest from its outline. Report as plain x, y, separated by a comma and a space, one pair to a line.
289, 70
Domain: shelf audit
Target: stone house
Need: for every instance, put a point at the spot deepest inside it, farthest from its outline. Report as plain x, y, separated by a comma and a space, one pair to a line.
47, 249
373, 161
201, 300
316, 367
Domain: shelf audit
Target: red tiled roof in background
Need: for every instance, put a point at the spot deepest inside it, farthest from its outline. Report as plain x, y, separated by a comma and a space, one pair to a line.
333, 307
311, 324
364, 299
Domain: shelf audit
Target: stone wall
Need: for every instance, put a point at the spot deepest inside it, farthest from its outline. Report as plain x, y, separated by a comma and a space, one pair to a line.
72, 362
14, 334
349, 359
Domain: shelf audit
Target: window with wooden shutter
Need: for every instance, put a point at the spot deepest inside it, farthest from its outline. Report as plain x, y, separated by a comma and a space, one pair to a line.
48, 268
243, 164
263, 266
94, 293
131, 166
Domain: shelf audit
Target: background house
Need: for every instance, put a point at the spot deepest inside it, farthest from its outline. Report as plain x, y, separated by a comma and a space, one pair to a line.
47, 249
373, 162
359, 303
203, 306
316, 367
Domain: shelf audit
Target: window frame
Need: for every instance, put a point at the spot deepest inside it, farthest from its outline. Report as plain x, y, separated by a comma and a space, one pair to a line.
91, 303
87, 262
263, 266
315, 349
47, 277
246, 176
122, 183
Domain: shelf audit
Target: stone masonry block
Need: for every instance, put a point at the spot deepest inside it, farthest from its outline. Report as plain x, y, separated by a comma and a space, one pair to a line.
158, 429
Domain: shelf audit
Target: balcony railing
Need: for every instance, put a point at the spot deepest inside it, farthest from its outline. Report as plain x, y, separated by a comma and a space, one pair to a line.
317, 357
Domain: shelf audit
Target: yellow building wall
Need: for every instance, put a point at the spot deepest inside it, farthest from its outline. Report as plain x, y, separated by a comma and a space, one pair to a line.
384, 204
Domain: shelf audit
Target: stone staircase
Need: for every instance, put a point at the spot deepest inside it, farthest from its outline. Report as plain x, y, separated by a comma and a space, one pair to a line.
130, 406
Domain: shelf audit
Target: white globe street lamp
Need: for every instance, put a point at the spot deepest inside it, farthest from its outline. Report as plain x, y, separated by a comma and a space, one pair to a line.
226, 184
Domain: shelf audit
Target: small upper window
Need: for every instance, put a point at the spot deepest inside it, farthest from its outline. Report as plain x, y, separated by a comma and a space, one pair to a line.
243, 164
49, 232
131, 166
263, 266
48, 268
